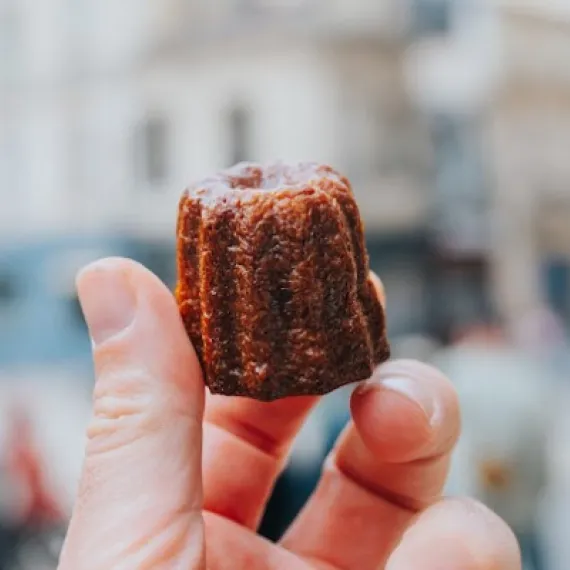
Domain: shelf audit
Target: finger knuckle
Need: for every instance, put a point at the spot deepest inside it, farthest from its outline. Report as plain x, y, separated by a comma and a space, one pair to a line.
124, 410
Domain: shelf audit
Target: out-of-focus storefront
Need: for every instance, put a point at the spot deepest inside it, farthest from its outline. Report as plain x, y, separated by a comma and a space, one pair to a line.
40, 318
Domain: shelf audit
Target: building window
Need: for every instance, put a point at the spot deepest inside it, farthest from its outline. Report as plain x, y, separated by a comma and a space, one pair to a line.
10, 41
81, 164
152, 151
402, 146
556, 275
431, 17
75, 311
80, 17
363, 119
268, 6
239, 134
11, 162
461, 204
8, 290
461, 293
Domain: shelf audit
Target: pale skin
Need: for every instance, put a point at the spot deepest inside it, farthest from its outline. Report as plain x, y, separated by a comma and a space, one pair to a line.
177, 480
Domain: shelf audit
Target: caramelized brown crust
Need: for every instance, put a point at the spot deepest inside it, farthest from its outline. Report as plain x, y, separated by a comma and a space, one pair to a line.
273, 283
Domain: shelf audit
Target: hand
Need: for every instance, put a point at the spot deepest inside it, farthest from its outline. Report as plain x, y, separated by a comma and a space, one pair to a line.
169, 482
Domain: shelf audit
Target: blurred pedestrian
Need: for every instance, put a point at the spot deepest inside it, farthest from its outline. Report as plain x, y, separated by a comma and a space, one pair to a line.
39, 507
43, 414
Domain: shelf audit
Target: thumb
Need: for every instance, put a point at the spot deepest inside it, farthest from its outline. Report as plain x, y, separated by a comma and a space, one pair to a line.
140, 495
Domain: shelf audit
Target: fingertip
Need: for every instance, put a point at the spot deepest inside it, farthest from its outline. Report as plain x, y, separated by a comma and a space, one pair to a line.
140, 277
108, 299
390, 424
407, 411
458, 533
432, 384
105, 263
135, 324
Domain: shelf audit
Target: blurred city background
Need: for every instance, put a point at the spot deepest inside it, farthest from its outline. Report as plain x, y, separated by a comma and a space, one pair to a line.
450, 117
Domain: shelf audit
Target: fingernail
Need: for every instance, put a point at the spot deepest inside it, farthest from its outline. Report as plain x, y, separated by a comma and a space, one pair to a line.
107, 300
408, 387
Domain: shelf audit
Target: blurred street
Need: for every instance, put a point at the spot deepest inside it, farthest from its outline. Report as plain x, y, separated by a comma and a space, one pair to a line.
450, 117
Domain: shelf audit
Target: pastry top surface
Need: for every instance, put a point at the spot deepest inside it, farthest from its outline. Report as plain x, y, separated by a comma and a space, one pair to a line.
248, 179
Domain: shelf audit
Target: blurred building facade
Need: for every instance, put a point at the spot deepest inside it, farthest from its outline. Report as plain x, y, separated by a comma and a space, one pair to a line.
530, 130
109, 109
431, 107
496, 74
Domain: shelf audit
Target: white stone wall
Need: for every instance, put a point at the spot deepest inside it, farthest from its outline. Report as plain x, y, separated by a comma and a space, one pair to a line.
94, 71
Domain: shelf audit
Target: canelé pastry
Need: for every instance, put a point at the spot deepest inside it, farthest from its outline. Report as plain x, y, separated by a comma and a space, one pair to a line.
273, 283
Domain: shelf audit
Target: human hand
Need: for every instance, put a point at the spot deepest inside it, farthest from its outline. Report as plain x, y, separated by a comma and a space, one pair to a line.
172, 482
